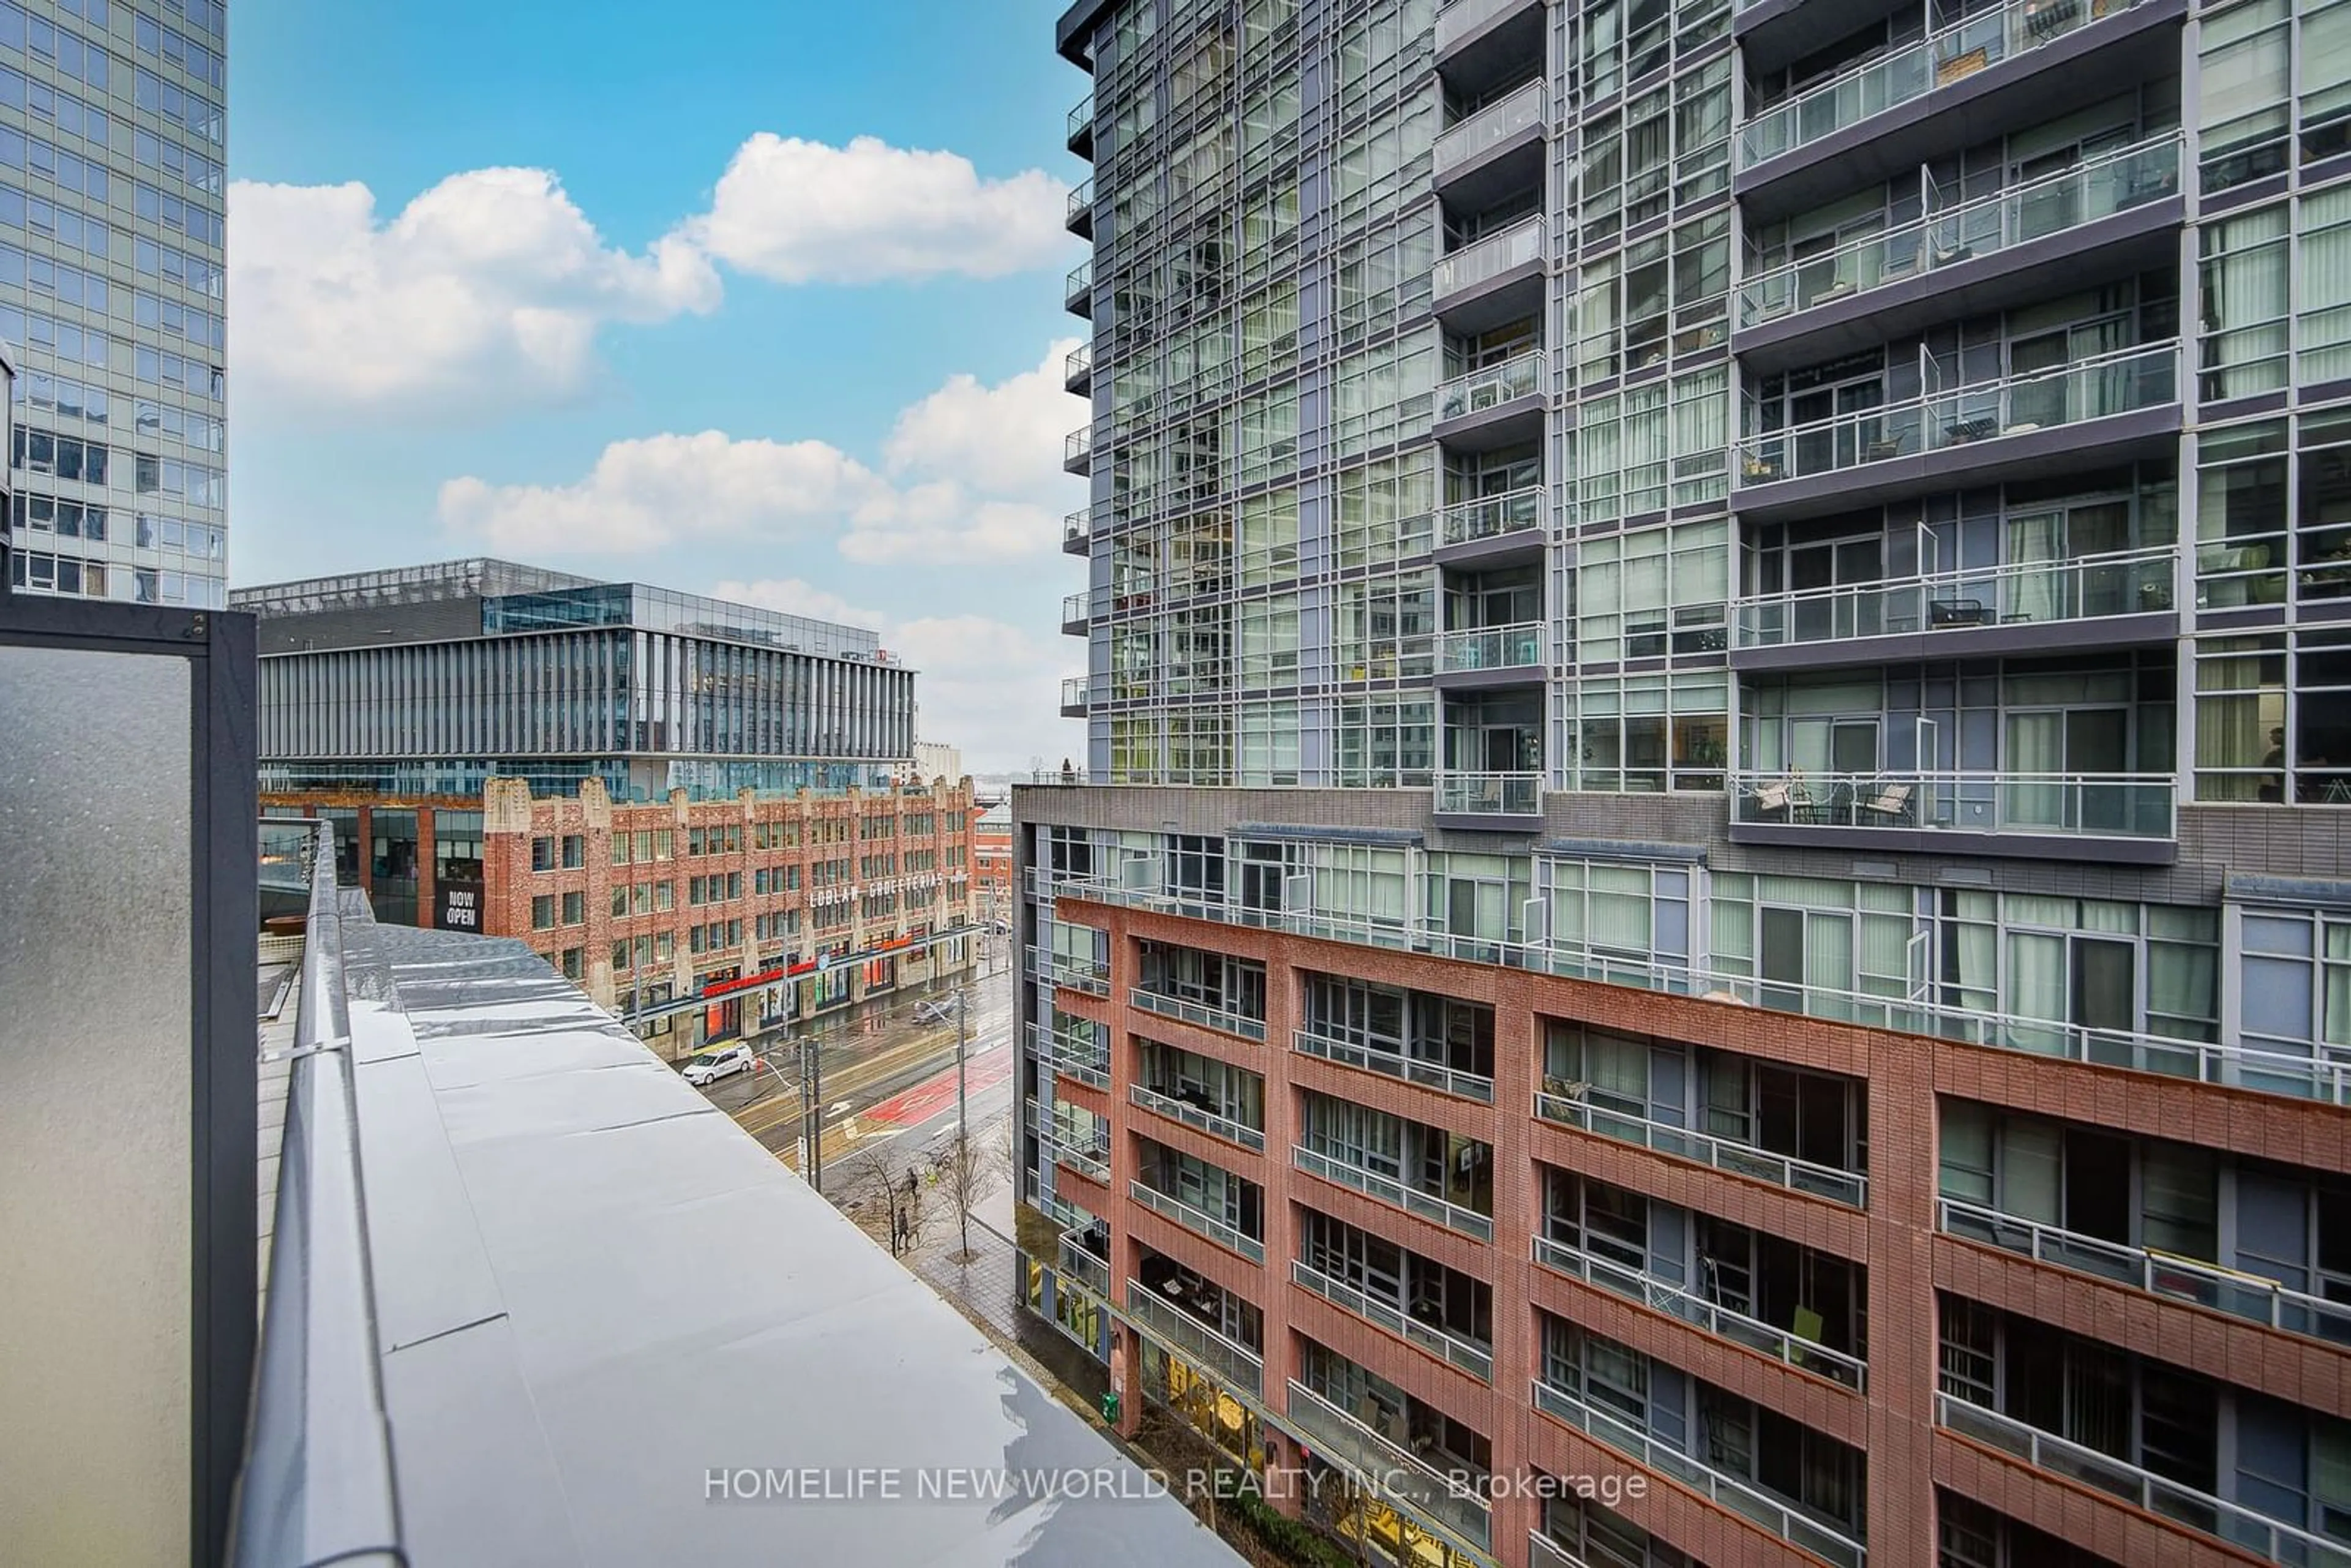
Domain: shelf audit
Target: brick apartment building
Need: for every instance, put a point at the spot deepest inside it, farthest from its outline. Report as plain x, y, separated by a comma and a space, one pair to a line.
1712, 851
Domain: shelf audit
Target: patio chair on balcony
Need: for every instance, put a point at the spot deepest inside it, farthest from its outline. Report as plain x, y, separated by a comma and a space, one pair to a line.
1789, 799
1890, 806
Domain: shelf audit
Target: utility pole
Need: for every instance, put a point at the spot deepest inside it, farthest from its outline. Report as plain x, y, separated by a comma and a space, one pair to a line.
963, 1098
811, 1104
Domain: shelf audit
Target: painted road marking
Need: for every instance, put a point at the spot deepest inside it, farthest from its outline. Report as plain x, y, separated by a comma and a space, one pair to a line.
925, 1100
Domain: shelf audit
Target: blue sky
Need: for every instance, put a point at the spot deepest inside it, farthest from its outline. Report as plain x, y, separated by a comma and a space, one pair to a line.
759, 296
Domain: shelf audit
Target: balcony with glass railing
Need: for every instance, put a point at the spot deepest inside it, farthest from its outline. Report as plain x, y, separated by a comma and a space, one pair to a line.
1503, 120
2267, 1539
2014, 594
1078, 450
1488, 257
1076, 613
2102, 387
1434, 1075
1471, 1357
1972, 231
1081, 1265
1089, 1160
1543, 1552
1756, 1164
2122, 806
1080, 214
1823, 1538
1076, 971
1233, 1362
1081, 127
1078, 371
1489, 387
1077, 290
1485, 517
1076, 531
1473, 649
1231, 1237
1389, 1190
1200, 1118
1389, 1470
1087, 1063
1943, 59
1074, 697
2251, 1297
1185, 1010
1490, 795
1778, 1343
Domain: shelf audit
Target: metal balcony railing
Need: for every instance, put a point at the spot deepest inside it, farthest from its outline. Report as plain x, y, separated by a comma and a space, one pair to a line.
1388, 1189
2100, 388
1091, 1162
2266, 1538
1195, 1340
1467, 1354
1082, 117
1214, 1123
1083, 1267
1078, 446
1454, 1504
2025, 592
1080, 283
1074, 700
2308, 1076
1074, 611
2168, 1274
1076, 367
2077, 805
1491, 386
318, 1483
1951, 55
1634, 1284
1543, 1552
1411, 1069
1200, 1013
1490, 256
1850, 1187
1077, 524
1490, 794
1491, 648
1944, 238
1498, 121
1082, 199
1489, 516
1823, 1540
1229, 1236
1089, 975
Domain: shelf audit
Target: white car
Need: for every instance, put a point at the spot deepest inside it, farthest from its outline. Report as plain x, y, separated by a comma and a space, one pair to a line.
935, 1012
710, 1066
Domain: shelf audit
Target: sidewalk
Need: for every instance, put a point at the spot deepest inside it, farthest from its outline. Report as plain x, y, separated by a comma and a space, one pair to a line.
990, 1291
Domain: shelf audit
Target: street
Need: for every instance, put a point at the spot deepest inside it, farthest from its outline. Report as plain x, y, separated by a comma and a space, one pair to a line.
887, 1080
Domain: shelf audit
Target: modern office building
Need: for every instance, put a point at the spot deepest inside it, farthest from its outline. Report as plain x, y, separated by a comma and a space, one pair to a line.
1712, 924
701, 811
111, 296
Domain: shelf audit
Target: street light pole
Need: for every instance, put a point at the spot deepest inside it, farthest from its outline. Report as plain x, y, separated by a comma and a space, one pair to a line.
963, 1098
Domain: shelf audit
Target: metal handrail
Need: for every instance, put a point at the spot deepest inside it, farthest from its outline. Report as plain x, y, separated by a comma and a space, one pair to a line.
2104, 186
1491, 386
2323, 1077
1490, 517
2252, 1297
1082, 196
1470, 1357
317, 1484
1725, 1322
2030, 593
1504, 117
1490, 794
2081, 805
1848, 1187
1196, 1339
1388, 1189
2271, 1539
1219, 1018
1411, 1069
1229, 1129
1489, 256
1512, 647
1941, 58
1460, 1511
1231, 1237
1783, 1519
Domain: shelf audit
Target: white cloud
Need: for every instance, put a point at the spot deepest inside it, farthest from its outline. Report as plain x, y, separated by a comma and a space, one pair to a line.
973, 475
489, 288
800, 212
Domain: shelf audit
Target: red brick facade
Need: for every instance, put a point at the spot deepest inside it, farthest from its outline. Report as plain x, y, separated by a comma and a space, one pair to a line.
1895, 1235
844, 874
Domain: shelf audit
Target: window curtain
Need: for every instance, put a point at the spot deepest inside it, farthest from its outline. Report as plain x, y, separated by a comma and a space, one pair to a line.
2246, 303
2323, 331
2036, 745
1828, 963
2037, 592
2335, 1024
2029, 1170
2036, 990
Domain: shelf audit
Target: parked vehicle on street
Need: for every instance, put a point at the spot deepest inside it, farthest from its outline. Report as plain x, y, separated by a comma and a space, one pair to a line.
941, 1010
708, 1067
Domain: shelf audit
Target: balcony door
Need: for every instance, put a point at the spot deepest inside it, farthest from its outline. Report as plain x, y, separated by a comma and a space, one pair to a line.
1847, 564
2050, 748
2082, 979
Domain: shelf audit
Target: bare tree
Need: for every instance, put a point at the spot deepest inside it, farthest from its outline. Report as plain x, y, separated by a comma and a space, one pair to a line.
879, 1199
968, 1170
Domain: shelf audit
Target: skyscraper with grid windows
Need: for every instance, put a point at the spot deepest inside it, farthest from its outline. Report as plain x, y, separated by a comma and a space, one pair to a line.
113, 221
1711, 921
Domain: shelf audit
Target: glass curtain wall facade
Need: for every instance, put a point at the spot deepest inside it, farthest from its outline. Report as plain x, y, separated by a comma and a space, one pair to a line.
112, 130
1752, 587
